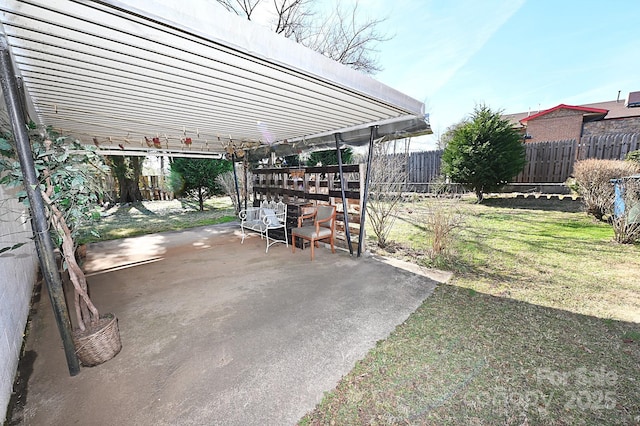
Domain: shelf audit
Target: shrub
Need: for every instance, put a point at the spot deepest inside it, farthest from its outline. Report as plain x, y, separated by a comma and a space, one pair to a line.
573, 186
593, 183
198, 177
484, 153
227, 182
626, 216
388, 179
440, 185
442, 220
633, 156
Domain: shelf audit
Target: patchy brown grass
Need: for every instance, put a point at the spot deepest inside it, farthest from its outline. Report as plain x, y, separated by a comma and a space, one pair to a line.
540, 325
470, 358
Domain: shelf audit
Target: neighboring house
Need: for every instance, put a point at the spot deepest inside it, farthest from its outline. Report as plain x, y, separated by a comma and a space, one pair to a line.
564, 122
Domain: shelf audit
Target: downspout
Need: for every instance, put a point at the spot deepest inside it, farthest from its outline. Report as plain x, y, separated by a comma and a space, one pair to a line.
44, 245
345, 214
363, 213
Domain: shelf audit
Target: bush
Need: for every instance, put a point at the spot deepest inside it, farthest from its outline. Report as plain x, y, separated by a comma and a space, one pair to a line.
443, 220
227, 182
440, 185
633, 156
388, 180
484, 153
593, 183
197, 177
626, 217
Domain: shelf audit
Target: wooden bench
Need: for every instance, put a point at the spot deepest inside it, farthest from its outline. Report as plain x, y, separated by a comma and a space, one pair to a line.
264, 220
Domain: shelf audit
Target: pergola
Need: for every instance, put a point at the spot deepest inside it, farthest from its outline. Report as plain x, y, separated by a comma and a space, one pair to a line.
162, 77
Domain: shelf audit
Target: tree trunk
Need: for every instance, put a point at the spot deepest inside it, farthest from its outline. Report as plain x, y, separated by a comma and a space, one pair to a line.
480, 195
201, 199
86, 312
127, 171
129, 191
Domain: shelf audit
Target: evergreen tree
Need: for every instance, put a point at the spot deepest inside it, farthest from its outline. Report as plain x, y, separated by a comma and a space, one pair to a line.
330, 157
196, 177
484, 153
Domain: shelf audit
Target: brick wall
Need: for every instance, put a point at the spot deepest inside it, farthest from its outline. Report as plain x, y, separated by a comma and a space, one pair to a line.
616, 125
561, 124
18, 269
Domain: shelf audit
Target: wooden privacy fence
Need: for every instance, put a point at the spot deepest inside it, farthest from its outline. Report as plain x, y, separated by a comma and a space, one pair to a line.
424, 167
547, 162
609, 147
552, 162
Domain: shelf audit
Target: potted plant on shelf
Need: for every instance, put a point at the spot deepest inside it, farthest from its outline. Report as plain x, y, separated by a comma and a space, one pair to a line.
68, 176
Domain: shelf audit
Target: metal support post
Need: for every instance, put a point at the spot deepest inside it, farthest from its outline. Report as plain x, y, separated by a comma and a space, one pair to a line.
40, 224
235, 179
245, 168
363, 213
345, 207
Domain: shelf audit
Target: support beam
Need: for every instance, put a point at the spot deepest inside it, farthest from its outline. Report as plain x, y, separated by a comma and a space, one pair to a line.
235, 179
363, 213
245, 169
40, 224
345, 207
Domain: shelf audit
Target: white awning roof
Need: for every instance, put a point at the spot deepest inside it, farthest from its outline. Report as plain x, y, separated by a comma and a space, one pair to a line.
191, 75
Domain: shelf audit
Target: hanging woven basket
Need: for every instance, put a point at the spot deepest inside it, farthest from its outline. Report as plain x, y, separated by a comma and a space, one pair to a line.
100, 343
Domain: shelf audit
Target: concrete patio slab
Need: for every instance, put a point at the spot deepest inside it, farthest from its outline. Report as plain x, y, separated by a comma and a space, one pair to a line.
218, 332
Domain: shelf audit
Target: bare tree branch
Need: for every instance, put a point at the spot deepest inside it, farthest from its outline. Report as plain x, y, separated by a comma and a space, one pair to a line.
292, 16
388, 181
242, 8
342, 35
345, 38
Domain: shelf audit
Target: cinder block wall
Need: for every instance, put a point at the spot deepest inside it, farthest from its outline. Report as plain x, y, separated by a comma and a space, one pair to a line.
18, 273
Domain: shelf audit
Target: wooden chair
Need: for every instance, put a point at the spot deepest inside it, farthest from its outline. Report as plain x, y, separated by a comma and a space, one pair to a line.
324, 227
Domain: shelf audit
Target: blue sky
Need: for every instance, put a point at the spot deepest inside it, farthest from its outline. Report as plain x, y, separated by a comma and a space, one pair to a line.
509, 54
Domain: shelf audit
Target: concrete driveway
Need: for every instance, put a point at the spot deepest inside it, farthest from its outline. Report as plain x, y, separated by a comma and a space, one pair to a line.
218, 332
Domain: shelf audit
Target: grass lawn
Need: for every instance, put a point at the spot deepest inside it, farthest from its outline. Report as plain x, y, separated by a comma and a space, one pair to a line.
540, 325
148, 217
